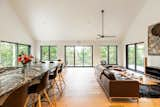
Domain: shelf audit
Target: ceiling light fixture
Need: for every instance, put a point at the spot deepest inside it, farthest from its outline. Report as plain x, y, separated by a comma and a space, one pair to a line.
102, 33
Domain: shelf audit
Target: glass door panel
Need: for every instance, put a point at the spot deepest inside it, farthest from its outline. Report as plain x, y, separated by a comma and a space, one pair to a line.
87, 52
53, 53
69, 56
140, 57
131, 56
112, 54
104, 53
79, 56
45, 53
8, 56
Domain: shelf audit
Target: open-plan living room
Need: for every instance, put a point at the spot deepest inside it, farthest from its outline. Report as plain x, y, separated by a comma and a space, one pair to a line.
75, 53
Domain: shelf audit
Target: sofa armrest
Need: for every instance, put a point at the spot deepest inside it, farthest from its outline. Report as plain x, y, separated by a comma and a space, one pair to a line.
124, 88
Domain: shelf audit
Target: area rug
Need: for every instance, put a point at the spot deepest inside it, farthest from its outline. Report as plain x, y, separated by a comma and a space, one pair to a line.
150, 91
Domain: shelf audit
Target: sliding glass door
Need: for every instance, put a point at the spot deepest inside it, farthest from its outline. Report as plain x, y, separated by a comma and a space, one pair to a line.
44, 53
78, 55
69, 55
131, 56
87, 57
140, 57
48, 53
135, 57
109, 54
112, 55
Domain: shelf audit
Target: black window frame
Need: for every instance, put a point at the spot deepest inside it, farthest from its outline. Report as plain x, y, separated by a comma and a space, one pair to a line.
108, 56
17, 47
135, 47
49, 56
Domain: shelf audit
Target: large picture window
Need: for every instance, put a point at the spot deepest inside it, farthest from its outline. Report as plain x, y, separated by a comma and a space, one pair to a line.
9, 52
48, 53
79, 55
135, 57
109, 54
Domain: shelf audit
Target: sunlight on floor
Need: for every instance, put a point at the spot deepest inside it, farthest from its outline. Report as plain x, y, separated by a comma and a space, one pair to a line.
83, 90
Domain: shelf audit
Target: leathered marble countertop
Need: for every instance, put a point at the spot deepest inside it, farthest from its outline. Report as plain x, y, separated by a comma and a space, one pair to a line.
11, 79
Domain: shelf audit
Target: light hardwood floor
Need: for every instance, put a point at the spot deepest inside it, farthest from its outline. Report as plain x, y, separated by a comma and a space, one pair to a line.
82, 90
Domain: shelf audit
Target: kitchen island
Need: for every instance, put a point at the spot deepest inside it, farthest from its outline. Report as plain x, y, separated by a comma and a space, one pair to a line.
11, 79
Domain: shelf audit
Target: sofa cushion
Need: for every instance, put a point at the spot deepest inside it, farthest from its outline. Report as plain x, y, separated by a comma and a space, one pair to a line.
109, 75
108, 66
103, 62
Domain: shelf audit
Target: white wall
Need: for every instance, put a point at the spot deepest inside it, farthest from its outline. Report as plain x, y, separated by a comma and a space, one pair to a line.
11, 28
96, 48
138, 31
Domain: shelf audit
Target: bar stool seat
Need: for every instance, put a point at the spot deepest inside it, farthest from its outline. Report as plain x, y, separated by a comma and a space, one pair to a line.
33, 89
60, 73
52, 78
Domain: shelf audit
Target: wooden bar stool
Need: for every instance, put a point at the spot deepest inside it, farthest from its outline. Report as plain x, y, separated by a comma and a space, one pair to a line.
53, 81
17, 98
60, 76
40, 89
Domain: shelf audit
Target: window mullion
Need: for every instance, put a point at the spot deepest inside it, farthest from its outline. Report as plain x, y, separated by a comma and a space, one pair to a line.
83, 56
74, 56
41, 52
135, 57
116, 55
108, 54
127, 56
49, 52
17, 50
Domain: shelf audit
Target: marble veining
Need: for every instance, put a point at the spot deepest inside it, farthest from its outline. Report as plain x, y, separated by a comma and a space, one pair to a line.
10, 79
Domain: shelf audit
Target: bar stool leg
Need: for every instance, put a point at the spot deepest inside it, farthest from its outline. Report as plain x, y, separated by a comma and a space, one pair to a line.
33, 100
54, 95
25, 105
39, 101
57, 85
46, 95
60, 81
62, 78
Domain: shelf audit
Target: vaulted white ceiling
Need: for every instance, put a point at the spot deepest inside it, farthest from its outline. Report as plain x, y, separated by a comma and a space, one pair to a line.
75, 19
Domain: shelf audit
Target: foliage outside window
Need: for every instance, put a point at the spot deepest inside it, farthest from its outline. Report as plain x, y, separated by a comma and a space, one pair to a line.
69, 55
131, 56
53, 53
23, 49
10, 51
48, 53
78, 55
112, 54
87, 55
109, 54
104, 53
